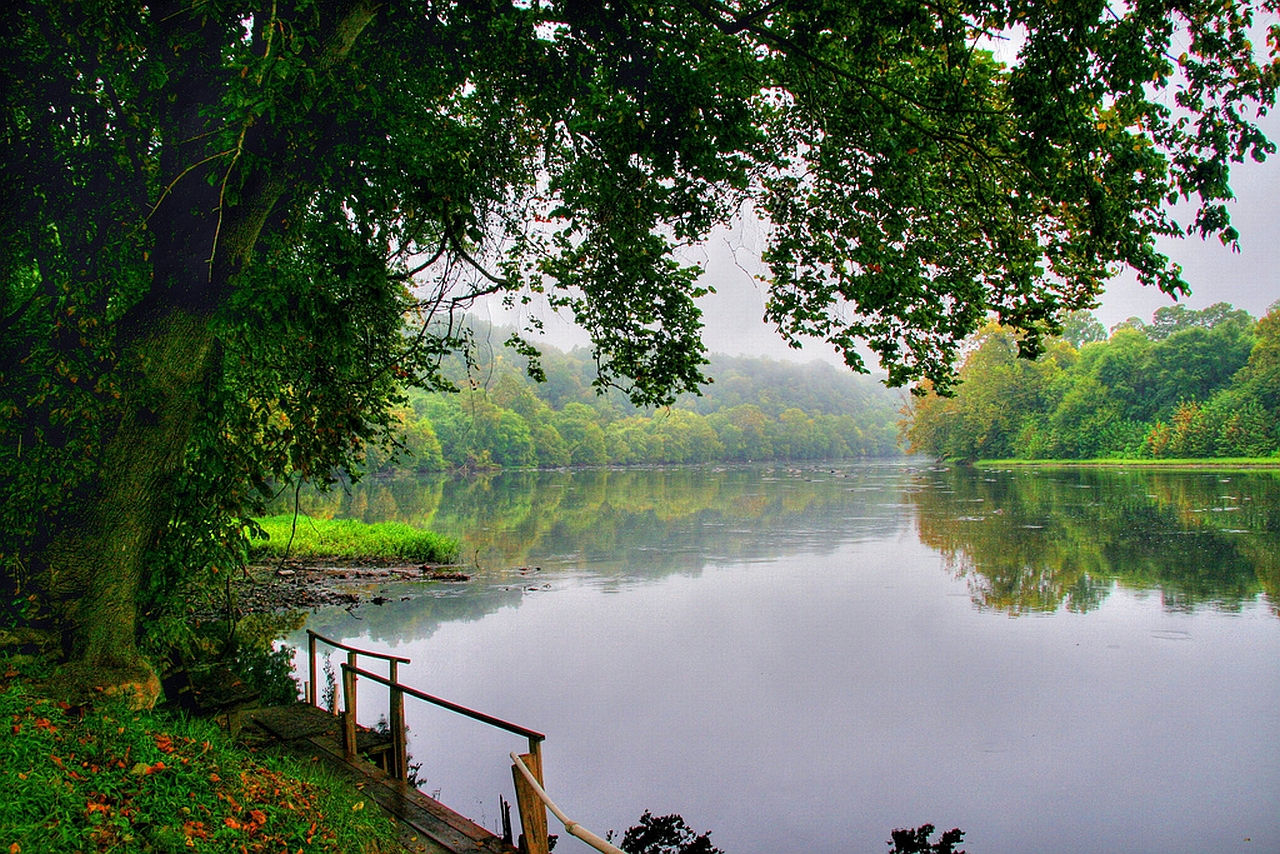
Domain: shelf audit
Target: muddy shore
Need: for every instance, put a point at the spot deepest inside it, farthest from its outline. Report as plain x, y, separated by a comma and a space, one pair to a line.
295, 585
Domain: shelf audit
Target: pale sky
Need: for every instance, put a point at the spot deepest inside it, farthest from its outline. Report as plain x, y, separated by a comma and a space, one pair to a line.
1249, 279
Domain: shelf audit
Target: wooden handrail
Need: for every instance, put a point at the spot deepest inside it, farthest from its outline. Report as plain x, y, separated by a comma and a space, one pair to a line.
533, 813
574, 829
386, 656
532, 735
313, 696
526, 773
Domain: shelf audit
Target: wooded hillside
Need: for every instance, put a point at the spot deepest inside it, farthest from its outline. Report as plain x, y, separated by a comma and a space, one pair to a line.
1189, 384
756, 409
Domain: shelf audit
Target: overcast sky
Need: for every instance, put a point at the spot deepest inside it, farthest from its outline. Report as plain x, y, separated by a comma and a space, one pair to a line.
1248, 279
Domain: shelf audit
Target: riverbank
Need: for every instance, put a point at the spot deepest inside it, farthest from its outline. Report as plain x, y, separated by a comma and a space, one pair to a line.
305, 584
102, 777
300, 562
1224, 464
302, 536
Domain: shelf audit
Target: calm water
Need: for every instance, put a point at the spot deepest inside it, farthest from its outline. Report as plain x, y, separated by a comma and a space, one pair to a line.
802, 660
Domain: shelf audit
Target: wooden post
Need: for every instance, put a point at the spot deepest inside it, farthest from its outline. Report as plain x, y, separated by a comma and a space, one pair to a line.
399, 738
313, 696
533, 814
349, 693
505, 809
535, 755
349, 712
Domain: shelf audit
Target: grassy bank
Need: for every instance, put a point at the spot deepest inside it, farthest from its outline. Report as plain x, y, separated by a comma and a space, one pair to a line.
1195, 463
351, 539
104, 778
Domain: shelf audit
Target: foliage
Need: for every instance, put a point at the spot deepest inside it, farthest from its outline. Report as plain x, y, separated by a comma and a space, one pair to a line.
666, 834
287, 535
1040, 541
219, 217
1192, 384
104, 778
916, 841
757, 410
269, 672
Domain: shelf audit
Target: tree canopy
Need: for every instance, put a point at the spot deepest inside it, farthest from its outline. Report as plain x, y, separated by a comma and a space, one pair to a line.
219, 213
1191, 384
757, 410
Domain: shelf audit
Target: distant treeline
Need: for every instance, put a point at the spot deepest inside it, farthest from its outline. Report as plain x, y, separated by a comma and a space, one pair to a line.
1190, 384
755, 410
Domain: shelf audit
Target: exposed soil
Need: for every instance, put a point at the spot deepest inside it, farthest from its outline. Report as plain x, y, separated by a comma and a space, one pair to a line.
306, 584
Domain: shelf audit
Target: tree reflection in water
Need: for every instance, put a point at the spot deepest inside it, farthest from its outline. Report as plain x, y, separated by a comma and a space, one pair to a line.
1026, 540
1038, 540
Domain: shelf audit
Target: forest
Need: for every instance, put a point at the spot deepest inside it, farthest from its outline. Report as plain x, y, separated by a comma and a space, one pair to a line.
756, 410
1190, 384
236, 232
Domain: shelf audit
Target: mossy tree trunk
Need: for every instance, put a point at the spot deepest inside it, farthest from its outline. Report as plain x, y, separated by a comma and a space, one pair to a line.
95, 567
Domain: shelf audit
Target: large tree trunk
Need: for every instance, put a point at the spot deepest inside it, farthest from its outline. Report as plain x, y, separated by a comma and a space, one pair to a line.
96, 567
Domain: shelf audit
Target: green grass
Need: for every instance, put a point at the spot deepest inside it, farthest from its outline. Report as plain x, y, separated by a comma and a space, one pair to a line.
1197, 463
108, 779
350, 539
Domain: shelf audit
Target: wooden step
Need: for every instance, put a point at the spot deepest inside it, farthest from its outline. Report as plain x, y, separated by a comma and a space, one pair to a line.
427, 825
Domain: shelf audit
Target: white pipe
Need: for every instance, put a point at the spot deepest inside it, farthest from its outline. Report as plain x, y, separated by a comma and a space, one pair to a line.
573, 827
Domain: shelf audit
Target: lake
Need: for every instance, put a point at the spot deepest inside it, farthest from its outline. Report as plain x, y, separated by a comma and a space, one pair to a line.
800, 660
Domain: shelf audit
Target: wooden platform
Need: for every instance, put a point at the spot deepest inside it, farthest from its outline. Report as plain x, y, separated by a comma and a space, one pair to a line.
426, 825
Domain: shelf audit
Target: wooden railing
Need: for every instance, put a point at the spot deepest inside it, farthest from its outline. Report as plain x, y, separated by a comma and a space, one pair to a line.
533, 816
353, 655
602, 845
527, 777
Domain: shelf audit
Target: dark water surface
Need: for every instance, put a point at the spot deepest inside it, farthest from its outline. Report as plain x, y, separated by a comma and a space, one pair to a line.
802, 660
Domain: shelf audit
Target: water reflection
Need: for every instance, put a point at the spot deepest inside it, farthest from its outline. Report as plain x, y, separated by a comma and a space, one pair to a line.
794, 659
1031, 541
1026, 541
611, 528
